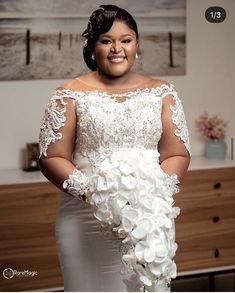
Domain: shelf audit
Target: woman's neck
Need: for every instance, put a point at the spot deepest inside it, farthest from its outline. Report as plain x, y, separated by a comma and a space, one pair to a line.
129, 79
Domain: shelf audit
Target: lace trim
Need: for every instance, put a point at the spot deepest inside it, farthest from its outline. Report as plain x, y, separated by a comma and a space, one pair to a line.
173, 182
178, 117
52, 121
77, 184
103, 94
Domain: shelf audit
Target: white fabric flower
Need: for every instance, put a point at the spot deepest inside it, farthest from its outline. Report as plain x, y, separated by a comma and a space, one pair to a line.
134, 196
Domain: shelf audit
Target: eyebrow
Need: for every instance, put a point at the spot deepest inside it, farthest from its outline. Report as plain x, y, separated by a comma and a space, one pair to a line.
109, 36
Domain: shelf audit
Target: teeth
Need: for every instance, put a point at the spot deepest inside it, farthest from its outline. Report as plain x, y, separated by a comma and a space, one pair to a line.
116, 57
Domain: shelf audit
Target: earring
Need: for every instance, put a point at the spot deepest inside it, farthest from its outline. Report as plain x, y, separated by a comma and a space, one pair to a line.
93, 56
136, 56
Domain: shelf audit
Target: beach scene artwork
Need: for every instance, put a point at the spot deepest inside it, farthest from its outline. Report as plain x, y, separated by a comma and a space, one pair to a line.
41, 39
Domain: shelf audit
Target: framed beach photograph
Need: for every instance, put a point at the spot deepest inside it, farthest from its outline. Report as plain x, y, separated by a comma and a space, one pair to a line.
41, 39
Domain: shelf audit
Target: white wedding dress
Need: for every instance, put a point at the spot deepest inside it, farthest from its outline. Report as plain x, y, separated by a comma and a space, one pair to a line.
91, 258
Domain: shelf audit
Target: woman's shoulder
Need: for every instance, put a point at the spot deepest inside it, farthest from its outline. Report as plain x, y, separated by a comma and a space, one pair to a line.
75, 84
151, 81
156, 82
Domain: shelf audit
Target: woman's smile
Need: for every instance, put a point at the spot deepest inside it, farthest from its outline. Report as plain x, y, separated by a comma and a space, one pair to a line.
116, 59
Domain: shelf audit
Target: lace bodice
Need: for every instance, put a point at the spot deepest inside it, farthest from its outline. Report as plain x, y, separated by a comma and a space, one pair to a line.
104, 123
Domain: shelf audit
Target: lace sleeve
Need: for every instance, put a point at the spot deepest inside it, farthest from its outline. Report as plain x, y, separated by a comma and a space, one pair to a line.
57, 131
56, 143
175, 136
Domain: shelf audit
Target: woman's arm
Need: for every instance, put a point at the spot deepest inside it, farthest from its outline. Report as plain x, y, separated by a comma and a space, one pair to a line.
174, 145
56, 144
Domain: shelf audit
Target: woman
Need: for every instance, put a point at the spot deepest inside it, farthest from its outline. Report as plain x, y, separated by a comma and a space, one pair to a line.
86, 120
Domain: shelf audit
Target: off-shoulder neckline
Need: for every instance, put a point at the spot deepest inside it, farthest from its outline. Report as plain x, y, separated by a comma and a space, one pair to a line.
139, 85
67, 91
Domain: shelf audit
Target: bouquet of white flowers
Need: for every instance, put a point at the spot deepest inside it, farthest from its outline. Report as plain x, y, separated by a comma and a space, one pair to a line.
132, 195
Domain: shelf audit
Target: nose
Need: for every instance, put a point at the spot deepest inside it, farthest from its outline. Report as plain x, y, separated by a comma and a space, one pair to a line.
116, 47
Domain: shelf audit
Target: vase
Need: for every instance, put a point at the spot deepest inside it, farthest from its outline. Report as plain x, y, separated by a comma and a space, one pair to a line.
216, 149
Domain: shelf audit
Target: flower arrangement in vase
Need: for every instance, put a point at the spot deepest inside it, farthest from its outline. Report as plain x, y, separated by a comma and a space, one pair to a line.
214, 129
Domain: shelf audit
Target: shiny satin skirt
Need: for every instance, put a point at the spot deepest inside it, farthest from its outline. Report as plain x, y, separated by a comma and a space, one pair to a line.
90, 259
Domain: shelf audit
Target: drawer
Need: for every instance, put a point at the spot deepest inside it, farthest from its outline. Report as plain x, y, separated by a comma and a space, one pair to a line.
204, 229
205, 244
208, 177
218, 210
216, 180
207, 194
204, 258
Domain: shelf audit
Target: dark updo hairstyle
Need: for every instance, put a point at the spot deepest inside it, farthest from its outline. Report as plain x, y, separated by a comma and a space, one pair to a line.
101, 22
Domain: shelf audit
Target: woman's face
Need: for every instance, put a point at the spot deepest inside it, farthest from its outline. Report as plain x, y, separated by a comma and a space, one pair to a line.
115, 51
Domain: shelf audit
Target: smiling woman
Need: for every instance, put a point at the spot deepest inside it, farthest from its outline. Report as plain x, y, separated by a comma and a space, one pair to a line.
119, 48
116, 143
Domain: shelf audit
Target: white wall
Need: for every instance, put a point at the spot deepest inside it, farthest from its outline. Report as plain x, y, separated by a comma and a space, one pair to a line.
208, 85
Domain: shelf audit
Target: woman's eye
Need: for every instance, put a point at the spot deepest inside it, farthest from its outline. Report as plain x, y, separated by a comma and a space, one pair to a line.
126, 41
105, 42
